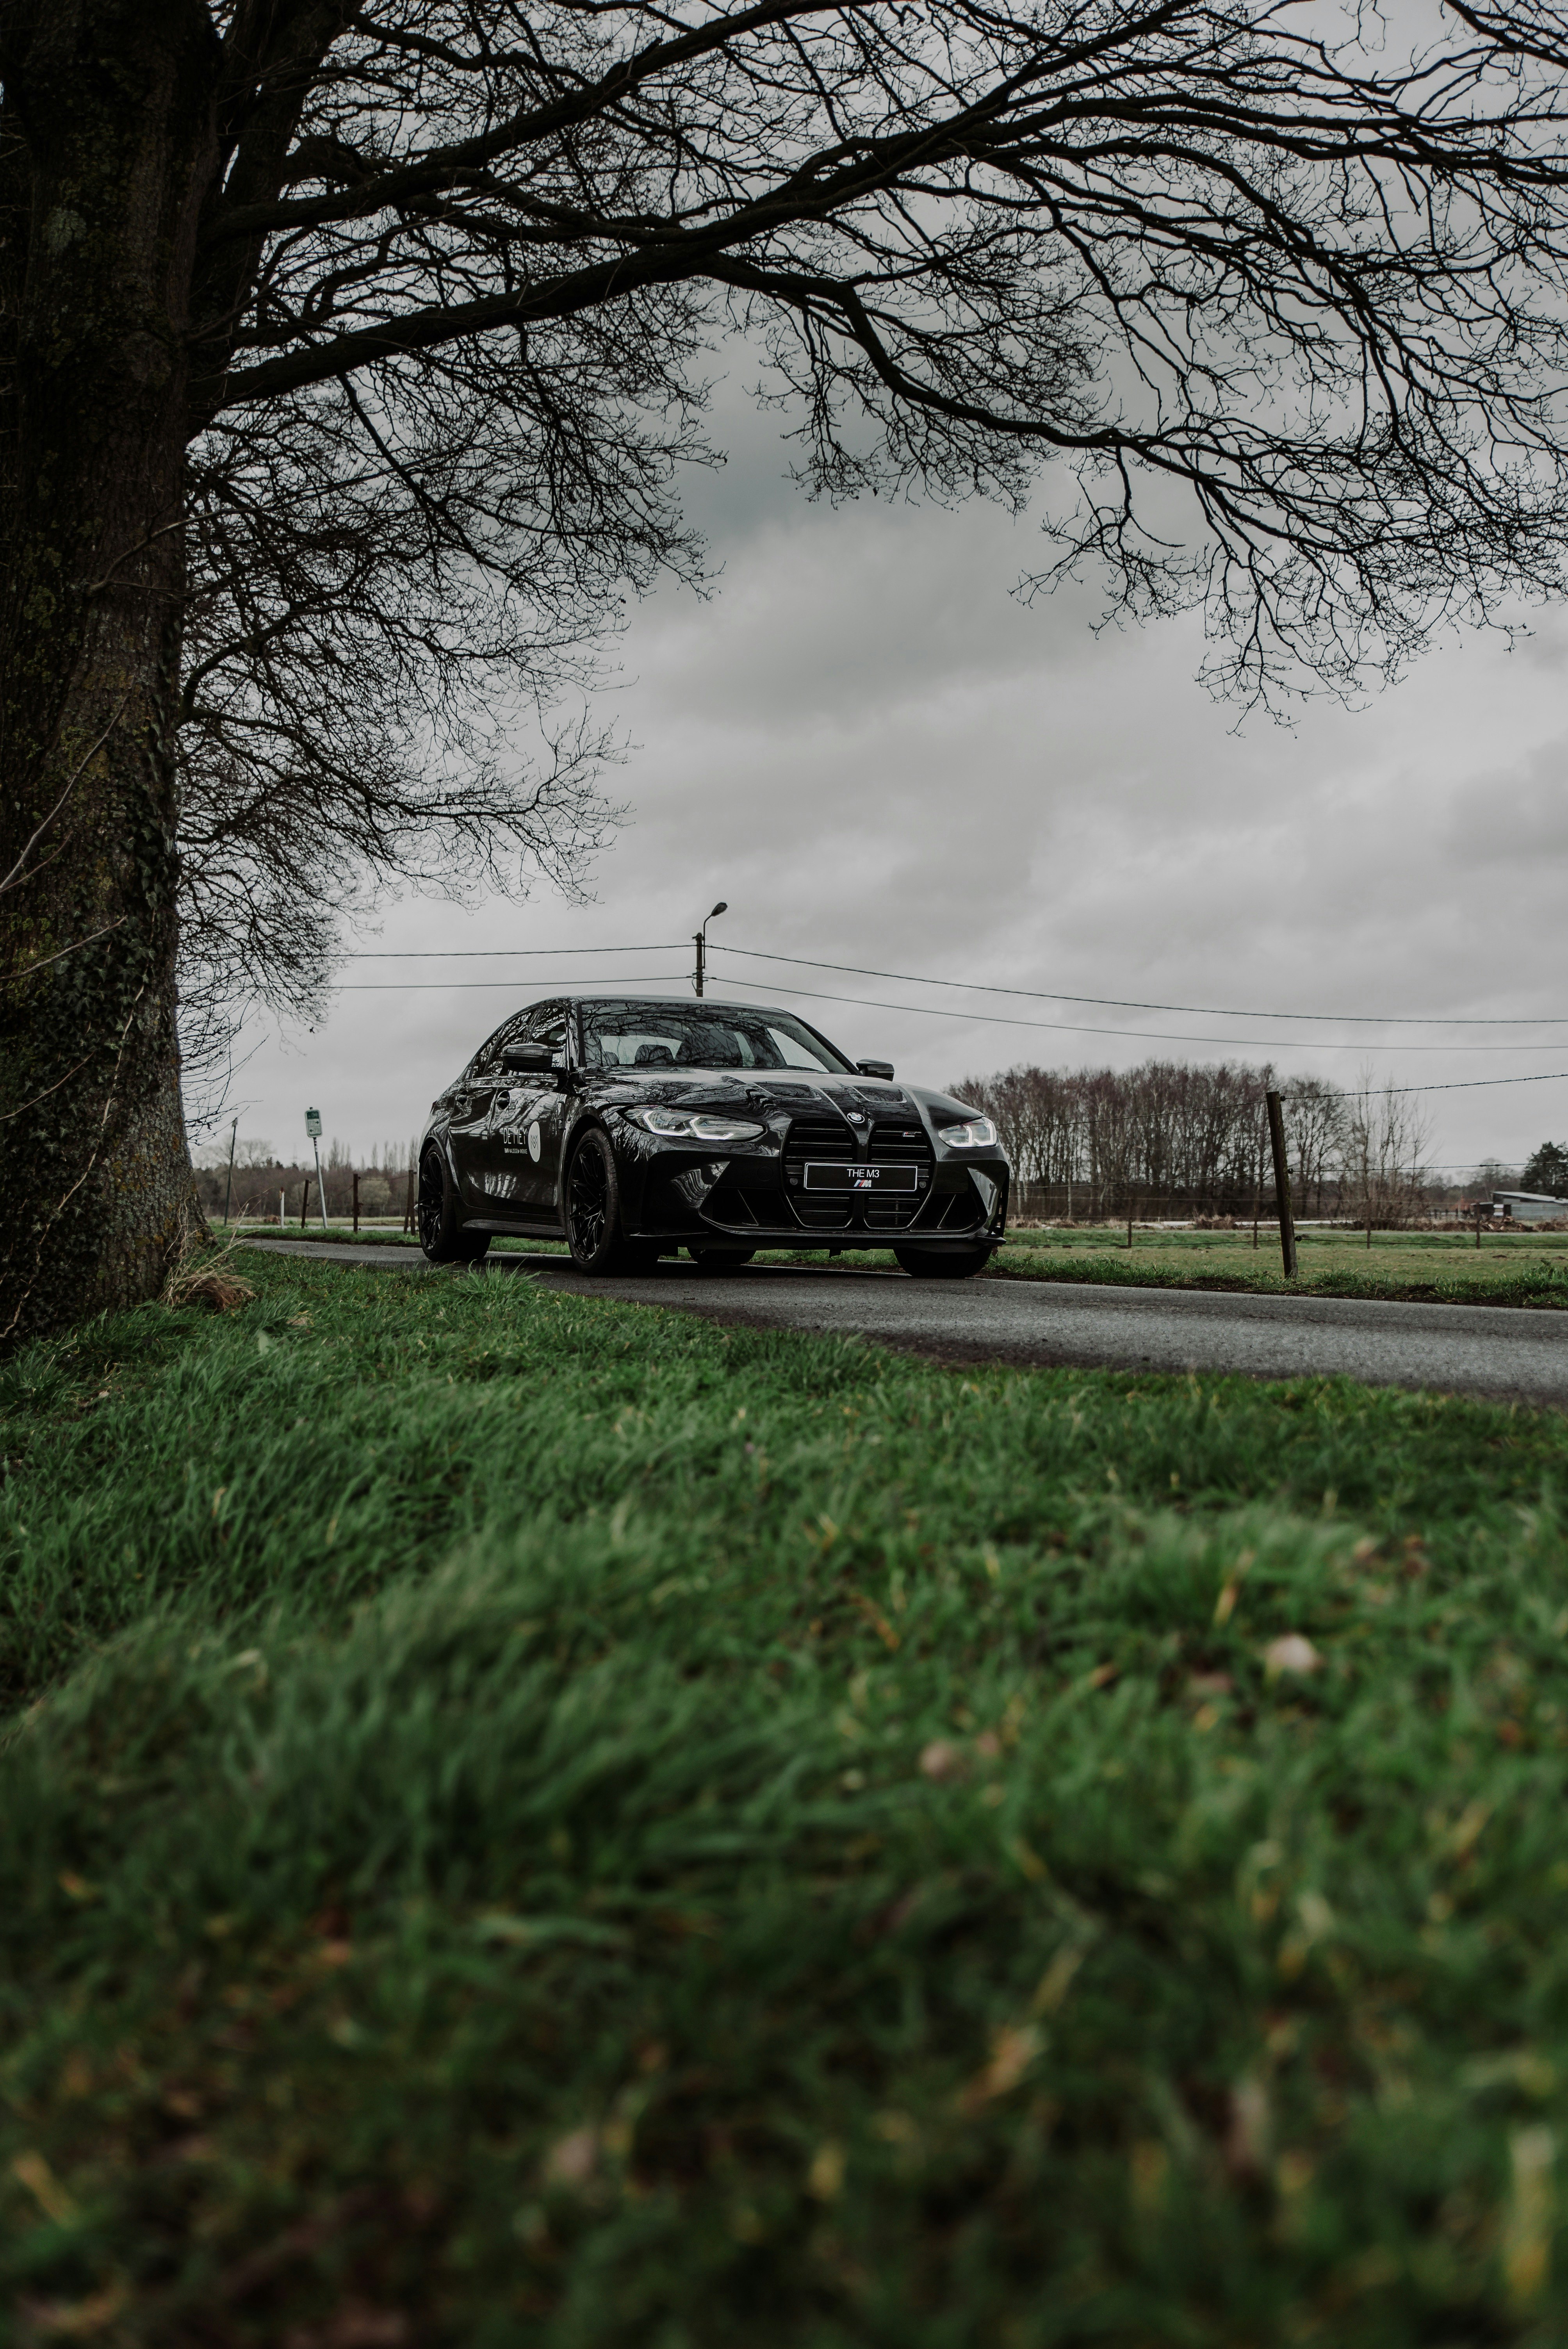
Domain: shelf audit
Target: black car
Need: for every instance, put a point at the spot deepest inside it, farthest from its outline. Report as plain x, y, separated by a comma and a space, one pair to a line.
633, 1126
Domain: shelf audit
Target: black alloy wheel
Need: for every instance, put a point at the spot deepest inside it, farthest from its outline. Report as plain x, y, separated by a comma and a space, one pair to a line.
944, 1264
441, 1233
593, 1207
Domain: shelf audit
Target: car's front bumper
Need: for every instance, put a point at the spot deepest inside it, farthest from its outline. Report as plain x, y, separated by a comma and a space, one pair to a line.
749, 1199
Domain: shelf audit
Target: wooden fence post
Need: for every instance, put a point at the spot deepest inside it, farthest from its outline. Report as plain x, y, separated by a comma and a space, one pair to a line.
1281, 1186
304, 1203
356, 1199
409, 1210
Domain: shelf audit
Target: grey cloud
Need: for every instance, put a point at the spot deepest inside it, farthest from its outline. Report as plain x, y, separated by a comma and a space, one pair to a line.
879, 756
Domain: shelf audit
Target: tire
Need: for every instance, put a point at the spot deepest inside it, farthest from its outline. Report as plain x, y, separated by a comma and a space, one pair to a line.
944, 1264
441, 1233
593, 1209
720, 1259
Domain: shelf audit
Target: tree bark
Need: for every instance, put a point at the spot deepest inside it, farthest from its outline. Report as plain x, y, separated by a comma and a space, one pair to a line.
107, 148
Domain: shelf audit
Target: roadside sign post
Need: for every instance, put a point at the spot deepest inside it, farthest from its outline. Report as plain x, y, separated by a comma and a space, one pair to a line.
229, 1186
1282, 1184
313, 1127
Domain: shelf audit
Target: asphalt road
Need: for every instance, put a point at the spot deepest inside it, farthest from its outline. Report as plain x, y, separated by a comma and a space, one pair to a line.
1483, 1349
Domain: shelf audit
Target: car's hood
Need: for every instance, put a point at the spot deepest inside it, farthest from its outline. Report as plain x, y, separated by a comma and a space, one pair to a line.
791, 1092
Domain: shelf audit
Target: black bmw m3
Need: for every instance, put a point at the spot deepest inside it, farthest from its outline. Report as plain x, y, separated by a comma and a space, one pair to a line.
634, 1126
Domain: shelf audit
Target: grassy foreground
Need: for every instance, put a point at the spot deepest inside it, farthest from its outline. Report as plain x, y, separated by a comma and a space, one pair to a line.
530, 1820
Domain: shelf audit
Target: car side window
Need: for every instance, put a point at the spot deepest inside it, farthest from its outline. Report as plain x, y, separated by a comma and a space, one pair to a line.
547, 1025
486, 1061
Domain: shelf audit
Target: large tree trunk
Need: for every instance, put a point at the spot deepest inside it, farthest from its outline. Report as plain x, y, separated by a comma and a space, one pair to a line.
105, 148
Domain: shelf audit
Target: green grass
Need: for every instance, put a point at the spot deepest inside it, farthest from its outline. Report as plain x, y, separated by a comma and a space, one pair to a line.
531, 1820
1513, 1268
1418, 1267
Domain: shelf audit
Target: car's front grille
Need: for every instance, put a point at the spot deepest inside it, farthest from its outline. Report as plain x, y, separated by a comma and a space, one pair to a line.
898, 1142
892, 1141
817, 1137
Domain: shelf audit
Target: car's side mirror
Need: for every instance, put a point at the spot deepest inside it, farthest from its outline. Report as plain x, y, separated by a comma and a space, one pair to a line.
875, 1068
526, 1060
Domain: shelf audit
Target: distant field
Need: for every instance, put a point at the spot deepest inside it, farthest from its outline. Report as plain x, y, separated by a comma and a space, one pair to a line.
531, 1820
1430, 1267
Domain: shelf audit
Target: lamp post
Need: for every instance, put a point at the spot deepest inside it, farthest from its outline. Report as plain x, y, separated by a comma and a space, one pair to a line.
700, 940
313, 1127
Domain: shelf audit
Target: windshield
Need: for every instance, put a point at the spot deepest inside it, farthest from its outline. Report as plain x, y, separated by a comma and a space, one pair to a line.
691, 1035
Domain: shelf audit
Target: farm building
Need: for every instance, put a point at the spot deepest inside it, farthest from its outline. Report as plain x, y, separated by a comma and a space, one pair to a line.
1527, 1207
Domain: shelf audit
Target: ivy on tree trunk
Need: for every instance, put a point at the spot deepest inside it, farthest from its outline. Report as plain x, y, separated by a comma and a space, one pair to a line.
95, 1180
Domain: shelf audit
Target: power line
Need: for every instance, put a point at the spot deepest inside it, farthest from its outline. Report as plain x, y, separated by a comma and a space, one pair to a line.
1123, 1003
995, 1020
450, 986
493, 954
971, 986
1461, 1085
1143, 1035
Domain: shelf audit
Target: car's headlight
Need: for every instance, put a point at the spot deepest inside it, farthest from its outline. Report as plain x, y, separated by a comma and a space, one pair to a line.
689, 1126
974, 1134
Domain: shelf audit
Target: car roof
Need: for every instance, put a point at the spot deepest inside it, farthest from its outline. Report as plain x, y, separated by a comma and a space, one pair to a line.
678, 1002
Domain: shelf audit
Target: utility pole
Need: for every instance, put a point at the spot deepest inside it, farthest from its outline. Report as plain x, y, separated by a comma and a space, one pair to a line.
699, 941
1282, 1184
229, 1186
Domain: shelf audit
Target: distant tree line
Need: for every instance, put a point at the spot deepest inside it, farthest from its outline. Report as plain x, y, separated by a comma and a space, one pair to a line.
1175, 1139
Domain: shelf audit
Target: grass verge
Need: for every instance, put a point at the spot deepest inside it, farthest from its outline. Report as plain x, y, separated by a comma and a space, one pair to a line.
530, 1819
1410, 1267
1414, 1267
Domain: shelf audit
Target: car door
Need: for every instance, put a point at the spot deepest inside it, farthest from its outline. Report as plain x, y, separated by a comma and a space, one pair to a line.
470, 1118
529, 1121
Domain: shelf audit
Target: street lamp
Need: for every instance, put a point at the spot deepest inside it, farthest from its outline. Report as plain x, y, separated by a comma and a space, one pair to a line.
700, 940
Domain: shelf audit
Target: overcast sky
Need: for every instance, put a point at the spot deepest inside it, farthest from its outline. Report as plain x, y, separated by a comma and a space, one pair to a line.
880, 757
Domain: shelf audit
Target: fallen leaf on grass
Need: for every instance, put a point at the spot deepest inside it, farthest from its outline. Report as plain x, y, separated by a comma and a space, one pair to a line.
1057, 1979
1527, 2236
354, 2327
1247, 2138
573, 2160
34, 2172
1292, 1653
825, 2178
1224, 1605
76, 2320
940, 1761
1013, 2051
876, 1618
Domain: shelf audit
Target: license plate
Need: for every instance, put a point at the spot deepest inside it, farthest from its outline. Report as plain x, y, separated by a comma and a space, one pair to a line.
841, 1175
